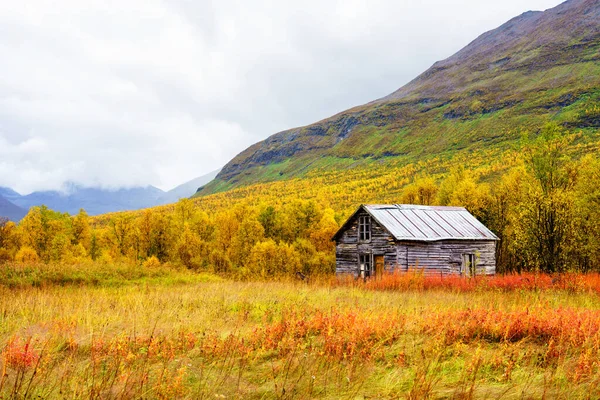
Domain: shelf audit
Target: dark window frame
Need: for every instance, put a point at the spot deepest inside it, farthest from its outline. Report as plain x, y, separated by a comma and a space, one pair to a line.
364, 228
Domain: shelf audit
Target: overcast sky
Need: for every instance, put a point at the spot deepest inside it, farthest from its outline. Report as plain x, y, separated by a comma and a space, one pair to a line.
136, 92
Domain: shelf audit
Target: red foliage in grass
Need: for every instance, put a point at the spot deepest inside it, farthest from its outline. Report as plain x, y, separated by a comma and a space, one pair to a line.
335, 335
417, 280
159, 361
341, 336
19, 354
155, 347
570, 327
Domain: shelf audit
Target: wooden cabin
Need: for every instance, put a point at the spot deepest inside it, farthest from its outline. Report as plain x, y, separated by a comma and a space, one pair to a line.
437, 240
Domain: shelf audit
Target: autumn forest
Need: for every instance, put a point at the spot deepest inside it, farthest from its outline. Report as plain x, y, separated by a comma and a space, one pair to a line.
543, 203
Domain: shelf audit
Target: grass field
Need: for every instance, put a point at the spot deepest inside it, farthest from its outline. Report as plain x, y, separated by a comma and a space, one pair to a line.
173, 334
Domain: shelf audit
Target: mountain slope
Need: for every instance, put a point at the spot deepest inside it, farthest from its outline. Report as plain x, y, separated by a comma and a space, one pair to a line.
187, 189
536, 68
10, 210
528, 44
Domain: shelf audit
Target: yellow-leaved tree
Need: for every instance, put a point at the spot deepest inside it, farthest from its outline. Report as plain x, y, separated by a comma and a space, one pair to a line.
422, 191
81, 230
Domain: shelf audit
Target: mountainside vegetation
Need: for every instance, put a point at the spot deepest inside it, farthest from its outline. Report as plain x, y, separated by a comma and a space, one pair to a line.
542, 200
537, 68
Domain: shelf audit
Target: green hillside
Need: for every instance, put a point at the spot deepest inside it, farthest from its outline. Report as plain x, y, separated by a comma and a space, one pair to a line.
537, 68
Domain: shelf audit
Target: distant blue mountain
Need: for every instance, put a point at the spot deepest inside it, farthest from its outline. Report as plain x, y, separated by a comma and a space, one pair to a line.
11, 210
9, 194
94, 200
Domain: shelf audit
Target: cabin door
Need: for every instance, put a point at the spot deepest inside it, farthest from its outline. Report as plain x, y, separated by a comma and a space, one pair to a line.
379, 266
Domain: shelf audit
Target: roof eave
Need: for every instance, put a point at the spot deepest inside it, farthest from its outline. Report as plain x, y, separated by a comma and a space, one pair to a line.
479, 239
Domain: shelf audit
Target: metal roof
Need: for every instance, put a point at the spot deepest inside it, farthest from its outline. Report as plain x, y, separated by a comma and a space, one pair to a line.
429, 223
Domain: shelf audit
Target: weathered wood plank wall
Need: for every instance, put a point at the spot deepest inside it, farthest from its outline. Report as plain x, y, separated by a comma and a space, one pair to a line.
447, 256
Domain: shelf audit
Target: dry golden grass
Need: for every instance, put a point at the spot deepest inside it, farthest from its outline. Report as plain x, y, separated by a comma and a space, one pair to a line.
214, 338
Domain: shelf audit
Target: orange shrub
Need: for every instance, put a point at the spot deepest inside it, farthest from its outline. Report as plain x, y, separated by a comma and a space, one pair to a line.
335, 335
563, 327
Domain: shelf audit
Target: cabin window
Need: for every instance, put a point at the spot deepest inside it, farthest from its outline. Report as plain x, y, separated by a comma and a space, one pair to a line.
365, 266
469, 264
364, 228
